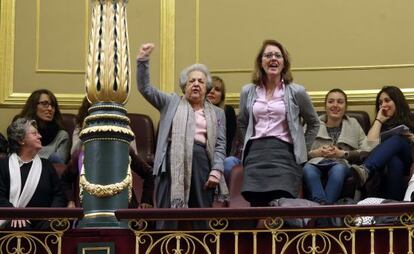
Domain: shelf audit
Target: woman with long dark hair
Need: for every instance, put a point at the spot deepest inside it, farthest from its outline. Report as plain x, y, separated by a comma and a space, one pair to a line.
43, 107
394, 151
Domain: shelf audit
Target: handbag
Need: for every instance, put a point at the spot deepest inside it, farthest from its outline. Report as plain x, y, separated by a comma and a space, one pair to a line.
294, 202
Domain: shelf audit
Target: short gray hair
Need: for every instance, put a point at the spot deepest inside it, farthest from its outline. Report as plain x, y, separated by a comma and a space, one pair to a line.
195, 67
17, 131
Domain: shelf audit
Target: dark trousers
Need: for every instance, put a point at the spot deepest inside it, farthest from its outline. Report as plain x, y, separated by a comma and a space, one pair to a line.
199, 197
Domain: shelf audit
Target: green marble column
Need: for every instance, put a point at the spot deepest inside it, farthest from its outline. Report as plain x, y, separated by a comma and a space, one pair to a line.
105, 180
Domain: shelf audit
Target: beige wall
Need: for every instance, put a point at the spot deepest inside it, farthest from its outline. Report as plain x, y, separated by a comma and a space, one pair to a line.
358, 46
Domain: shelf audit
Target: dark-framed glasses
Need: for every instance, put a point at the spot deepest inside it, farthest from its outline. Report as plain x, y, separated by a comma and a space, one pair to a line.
46, 104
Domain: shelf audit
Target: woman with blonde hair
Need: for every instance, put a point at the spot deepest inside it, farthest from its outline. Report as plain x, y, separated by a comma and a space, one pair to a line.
217, 96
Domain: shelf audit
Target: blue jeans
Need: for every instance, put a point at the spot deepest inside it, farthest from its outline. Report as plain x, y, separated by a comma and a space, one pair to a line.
312, 174
395, 154
229, 163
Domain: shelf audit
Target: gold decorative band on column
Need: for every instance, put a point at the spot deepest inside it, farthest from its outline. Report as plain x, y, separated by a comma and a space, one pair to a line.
111, 106
104, 191
106, 139
99, 214
107, 116
106, 128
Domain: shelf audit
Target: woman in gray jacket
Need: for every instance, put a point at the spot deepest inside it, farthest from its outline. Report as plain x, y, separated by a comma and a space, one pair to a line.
191, 143
270, 120
340, 141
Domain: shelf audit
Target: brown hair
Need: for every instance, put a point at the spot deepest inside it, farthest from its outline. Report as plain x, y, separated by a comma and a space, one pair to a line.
259, 75
82, 112
30, 107
337, 90
402, 113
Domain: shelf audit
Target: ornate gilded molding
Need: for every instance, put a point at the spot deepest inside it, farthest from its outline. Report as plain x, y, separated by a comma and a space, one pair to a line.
7, 24
197, 31
167, 46
99, 214
105, 191
37, 35
283, 239
9, 98
107, 116
355, 97
108, 71
106, 128
323, 68
35, 241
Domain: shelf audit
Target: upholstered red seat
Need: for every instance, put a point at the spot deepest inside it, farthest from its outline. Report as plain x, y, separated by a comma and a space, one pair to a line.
69, 123
143, 128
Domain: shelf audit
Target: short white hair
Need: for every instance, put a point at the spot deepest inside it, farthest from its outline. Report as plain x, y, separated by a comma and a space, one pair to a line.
195, 67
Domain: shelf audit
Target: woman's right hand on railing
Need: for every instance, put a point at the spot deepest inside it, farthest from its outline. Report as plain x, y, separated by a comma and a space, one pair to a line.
19, 223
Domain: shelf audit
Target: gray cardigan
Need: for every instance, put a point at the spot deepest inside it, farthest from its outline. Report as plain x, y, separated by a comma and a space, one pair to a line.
167, 105
298, 105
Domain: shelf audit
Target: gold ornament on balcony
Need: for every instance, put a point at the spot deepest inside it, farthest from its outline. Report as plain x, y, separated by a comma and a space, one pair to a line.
108, 71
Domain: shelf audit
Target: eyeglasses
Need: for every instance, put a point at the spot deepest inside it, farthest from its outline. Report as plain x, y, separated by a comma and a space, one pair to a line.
269, 55
46, 104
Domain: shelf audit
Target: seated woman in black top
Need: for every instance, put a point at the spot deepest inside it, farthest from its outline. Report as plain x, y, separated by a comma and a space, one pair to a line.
26, 180
217, 96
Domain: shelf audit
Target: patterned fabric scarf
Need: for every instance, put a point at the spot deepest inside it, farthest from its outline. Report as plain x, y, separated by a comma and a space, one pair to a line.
182, 142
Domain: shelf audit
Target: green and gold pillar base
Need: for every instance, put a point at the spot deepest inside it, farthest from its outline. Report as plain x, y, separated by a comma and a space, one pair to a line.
106, 181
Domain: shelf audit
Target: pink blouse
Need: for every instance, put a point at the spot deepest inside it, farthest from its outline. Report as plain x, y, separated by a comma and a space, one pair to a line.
270, 116
200, 127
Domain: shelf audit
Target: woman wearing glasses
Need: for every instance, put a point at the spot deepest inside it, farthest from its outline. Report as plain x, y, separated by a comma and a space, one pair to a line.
275, 144
26, 180
43, 107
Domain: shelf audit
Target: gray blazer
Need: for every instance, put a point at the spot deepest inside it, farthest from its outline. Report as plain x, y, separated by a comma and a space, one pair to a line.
298, 105
167, 105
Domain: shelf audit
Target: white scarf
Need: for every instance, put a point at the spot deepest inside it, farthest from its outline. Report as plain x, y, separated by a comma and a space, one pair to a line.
18, 199
22, 199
